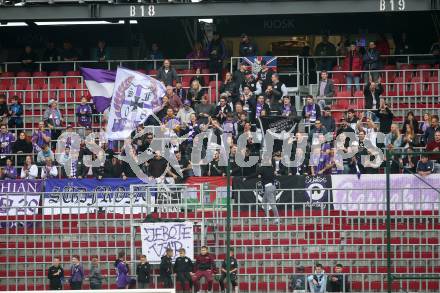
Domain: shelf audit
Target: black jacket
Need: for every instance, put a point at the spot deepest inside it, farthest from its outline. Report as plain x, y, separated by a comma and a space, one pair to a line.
143, 272
166, 266
339, 285
385, 120
183, 265
167, 77
369, 96
55, 281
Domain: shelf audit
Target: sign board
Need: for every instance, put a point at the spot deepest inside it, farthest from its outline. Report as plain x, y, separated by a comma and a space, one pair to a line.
158, 236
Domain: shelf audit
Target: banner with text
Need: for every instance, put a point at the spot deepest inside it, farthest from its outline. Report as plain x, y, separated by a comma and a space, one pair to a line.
20, 197
369, 192
158, 236
66, 196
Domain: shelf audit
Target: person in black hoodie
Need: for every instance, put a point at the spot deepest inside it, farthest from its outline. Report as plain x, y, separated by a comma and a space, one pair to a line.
338, 282
166, 269
55, 274
143, 273
183, 267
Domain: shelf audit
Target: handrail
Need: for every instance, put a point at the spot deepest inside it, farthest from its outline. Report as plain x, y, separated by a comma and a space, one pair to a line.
40, 63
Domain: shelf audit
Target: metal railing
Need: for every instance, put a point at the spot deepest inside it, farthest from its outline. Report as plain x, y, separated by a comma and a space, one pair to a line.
35, 92
266, 252
152, 64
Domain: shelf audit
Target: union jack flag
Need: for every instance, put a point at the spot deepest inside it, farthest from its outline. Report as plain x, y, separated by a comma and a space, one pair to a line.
253, 64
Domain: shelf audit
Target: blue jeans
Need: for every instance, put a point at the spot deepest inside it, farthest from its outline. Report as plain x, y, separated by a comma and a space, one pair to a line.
350, 79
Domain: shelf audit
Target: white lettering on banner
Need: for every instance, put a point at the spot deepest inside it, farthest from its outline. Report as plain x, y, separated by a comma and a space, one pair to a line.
369, 192
74, 199
157, 237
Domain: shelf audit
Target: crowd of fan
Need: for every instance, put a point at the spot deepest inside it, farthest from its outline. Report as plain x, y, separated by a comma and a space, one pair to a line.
244, 97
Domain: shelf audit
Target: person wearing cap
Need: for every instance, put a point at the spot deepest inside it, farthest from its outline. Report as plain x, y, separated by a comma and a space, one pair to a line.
216, 53
327, 120
247, 49
299, 282
184, 113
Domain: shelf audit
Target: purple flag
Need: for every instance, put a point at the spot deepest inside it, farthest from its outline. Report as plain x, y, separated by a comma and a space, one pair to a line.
100, 84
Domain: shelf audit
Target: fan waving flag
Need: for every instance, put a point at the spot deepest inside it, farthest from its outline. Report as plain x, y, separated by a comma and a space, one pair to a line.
254, 63
100, 84
135, 96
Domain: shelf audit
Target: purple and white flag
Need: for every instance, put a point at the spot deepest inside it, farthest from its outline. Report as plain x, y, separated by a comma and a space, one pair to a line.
100, 84
135, 96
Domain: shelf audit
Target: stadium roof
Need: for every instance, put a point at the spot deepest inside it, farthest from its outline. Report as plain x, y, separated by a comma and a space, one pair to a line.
107, 11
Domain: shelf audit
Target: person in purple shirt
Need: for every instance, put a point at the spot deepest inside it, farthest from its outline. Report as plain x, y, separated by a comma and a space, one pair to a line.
8, 172
6, 141
122, 279
84, 113
40, 137
76, 274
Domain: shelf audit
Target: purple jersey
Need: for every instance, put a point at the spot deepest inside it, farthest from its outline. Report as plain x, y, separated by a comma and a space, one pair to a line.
10, 172
324, 160
6, 140
84, 113
37, 139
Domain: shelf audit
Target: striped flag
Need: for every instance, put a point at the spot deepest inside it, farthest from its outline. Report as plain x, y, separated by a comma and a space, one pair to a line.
100, 84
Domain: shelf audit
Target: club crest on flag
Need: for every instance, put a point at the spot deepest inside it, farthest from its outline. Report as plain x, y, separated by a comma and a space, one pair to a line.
134, 98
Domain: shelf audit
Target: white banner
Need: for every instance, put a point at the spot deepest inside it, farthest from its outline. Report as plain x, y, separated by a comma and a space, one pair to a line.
134, 97
368, 193
20, 197
157, 237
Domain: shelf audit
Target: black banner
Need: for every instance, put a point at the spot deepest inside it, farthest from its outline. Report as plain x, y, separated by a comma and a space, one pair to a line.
318, 192
277, 124
253, 191
295, 191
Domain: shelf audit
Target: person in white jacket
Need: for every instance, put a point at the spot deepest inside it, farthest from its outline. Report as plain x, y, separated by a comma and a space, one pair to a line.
318, 281
29, 170
49, 170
